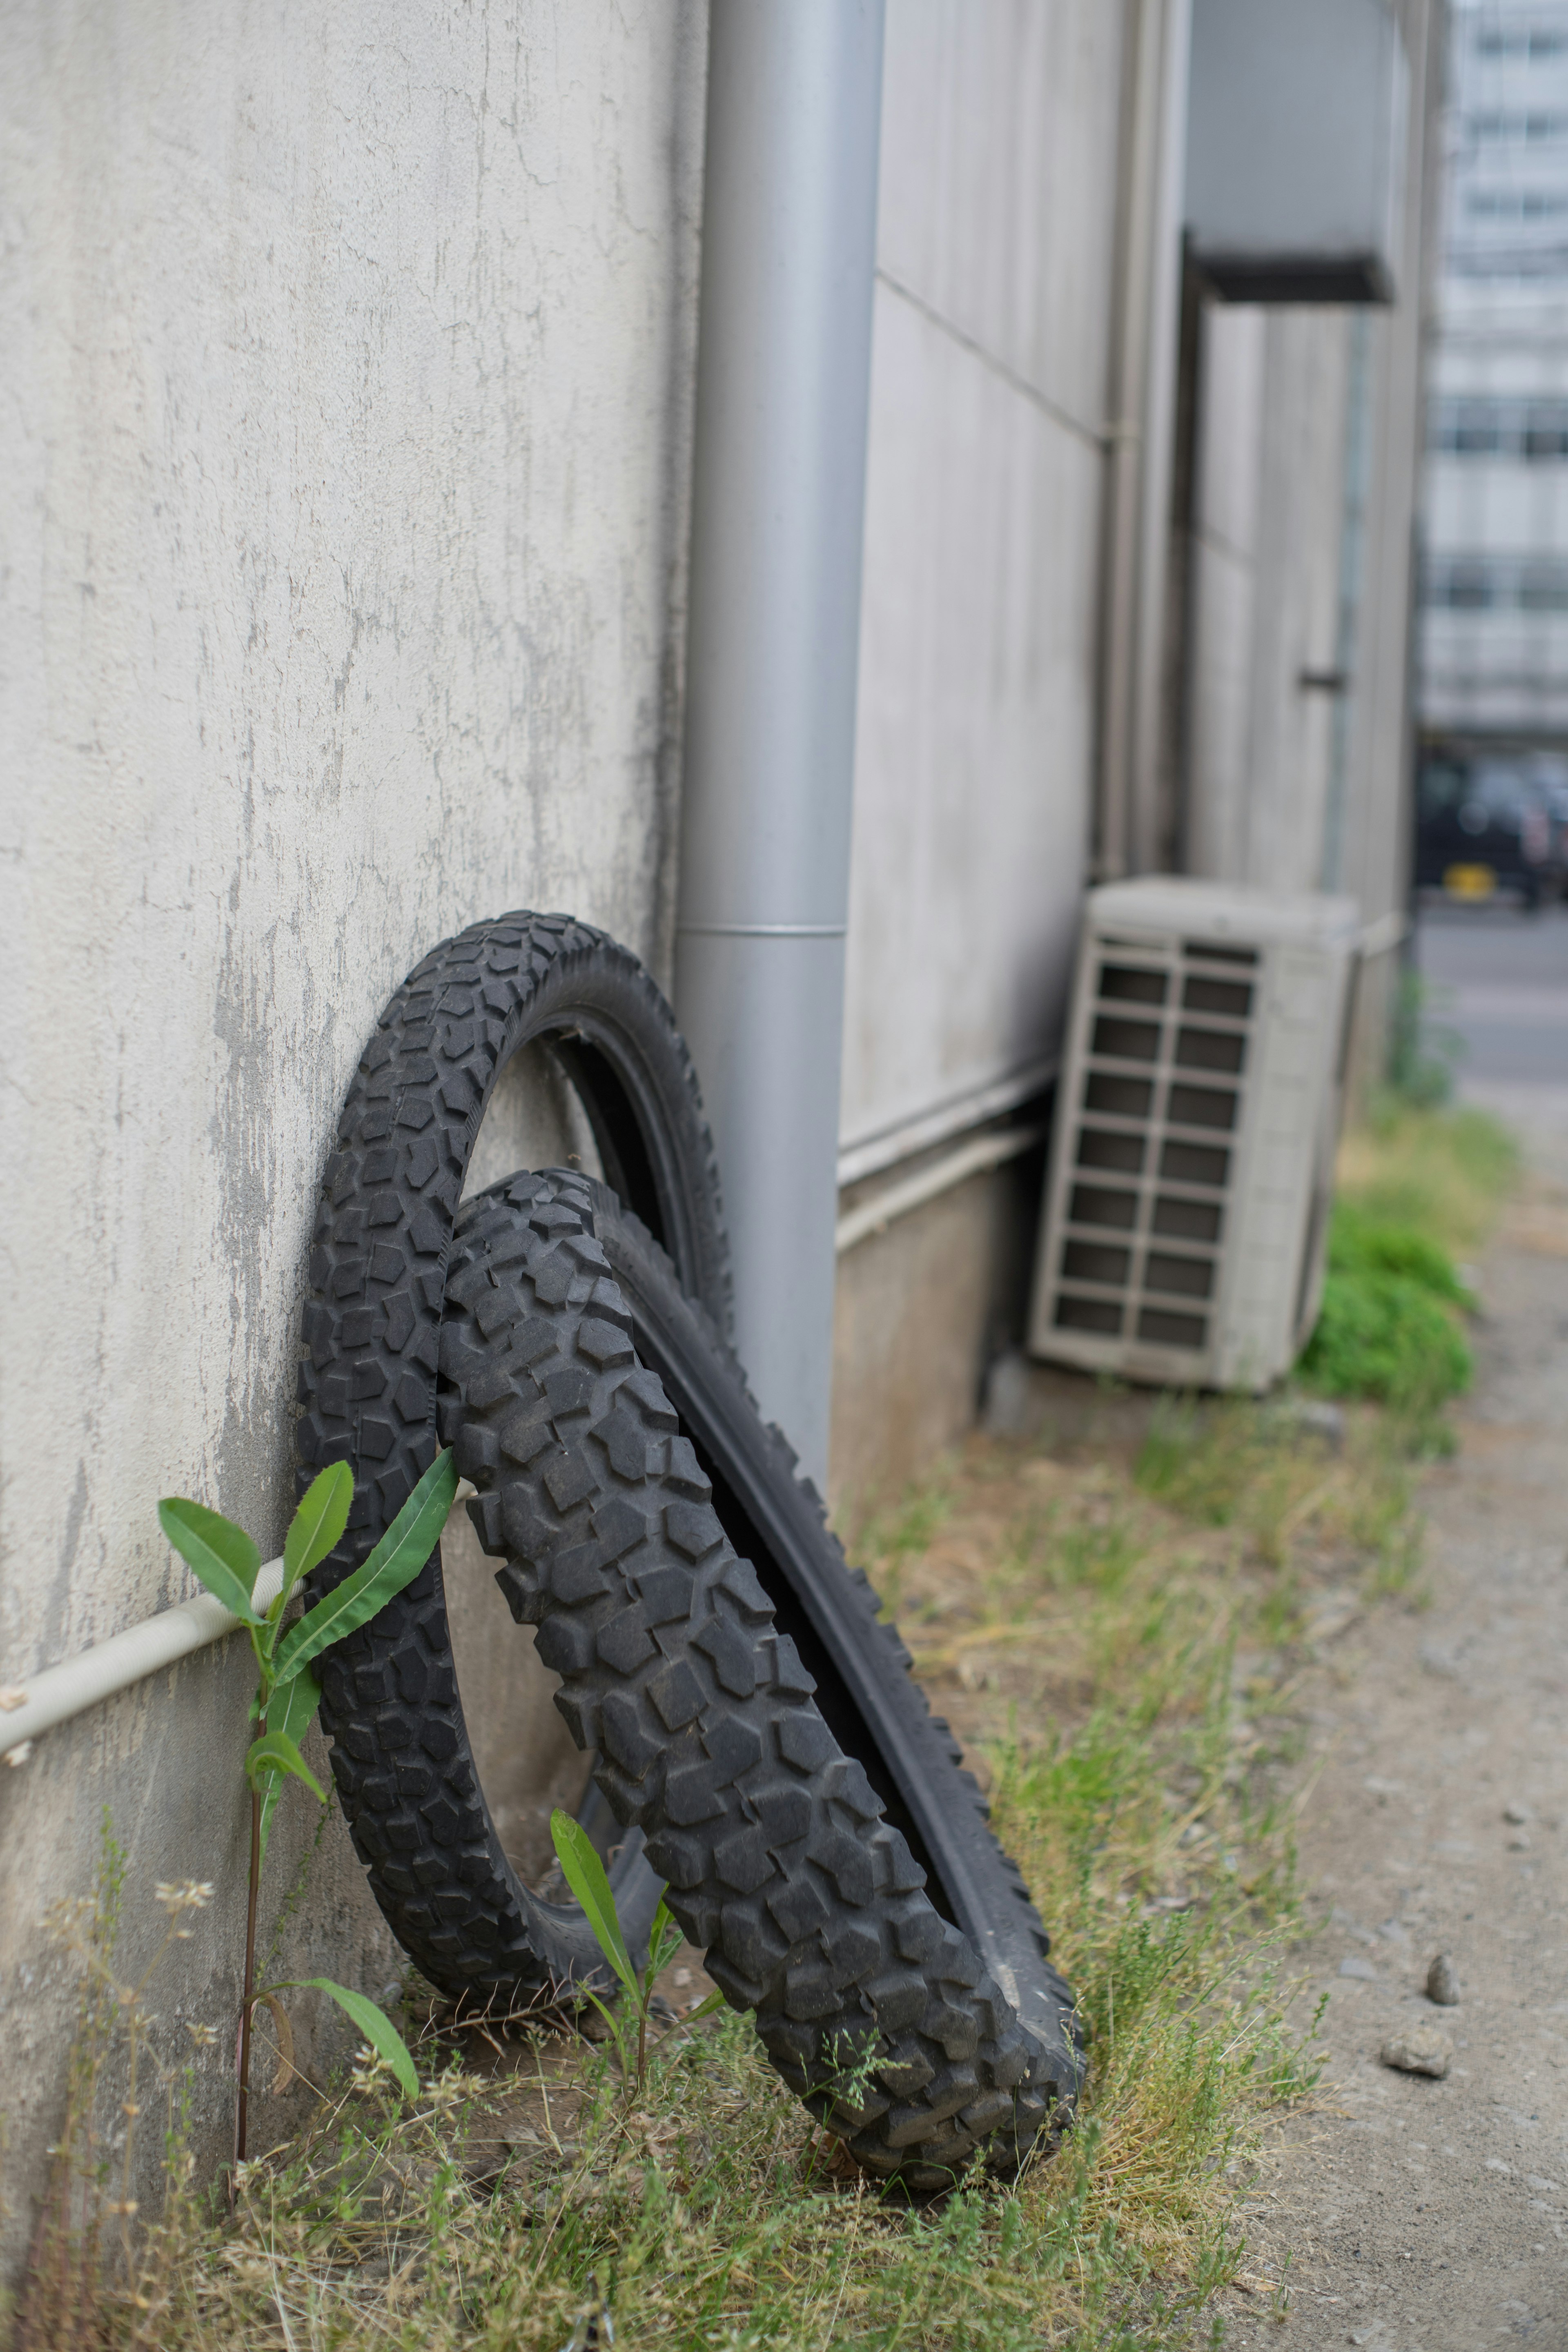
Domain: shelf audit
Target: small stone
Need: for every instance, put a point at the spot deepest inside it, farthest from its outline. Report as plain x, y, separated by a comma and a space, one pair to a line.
1518, 1813
1395, 1931
1443, 1982
1354, 1965
1519, 1841
1419, 2050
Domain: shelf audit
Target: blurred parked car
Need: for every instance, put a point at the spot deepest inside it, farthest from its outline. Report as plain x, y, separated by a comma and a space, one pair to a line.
1488, 827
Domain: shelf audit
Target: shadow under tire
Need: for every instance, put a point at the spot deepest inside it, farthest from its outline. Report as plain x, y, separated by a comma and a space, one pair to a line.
782, 1864
400, 1751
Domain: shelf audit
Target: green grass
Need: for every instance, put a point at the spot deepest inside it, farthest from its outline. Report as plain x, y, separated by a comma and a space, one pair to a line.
1117, 1632
1419, 1186
712, 2212
1443, 1173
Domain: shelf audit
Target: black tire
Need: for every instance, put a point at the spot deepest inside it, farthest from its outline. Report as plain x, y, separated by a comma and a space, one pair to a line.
781, 1863
367, 1386
865, 1691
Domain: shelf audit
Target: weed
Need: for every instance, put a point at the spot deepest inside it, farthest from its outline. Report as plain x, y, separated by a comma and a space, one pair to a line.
892, 1539
228, 1562
1422, 1054
1396, 1567
585, 1875
93, 2167
1199, 1461
1097, 1556
1420, 1185
1443, 1173
1387, 1335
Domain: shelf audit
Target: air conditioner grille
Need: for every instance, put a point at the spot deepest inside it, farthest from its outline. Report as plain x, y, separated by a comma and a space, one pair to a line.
1195, 1114
1167, 1211
1119, 1097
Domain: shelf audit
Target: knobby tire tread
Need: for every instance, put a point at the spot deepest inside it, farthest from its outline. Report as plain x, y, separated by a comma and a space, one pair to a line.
367, 1394
781, 1866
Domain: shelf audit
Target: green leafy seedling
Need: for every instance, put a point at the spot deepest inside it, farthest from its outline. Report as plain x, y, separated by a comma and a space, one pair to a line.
291, 1712
373, 2022
221, 1554
585, 1873
226, 1561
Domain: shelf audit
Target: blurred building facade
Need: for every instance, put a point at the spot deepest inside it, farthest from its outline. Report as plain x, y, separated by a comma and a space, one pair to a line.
1494, 600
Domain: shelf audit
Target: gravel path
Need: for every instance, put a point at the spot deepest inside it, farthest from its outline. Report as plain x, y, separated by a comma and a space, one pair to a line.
1419, 2214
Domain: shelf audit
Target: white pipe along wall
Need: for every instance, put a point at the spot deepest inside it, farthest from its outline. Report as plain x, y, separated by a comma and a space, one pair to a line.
795, 94
53, 1696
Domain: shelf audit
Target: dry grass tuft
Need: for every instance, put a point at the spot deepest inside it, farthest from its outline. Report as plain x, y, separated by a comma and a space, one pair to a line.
1114, 1624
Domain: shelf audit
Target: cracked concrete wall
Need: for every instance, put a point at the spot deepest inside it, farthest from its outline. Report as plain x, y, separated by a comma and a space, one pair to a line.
347, 412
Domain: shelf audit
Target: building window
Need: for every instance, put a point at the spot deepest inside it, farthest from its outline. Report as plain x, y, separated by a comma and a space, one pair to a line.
1517, 203
1495, 583
1535, 431
1543, 587
1516, 130
1546, 432
1517, 41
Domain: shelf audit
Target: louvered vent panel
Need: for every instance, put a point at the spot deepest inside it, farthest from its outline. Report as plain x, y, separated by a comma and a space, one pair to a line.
1167, 1077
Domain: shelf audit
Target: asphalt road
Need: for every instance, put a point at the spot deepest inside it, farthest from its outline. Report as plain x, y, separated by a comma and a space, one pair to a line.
1497, 983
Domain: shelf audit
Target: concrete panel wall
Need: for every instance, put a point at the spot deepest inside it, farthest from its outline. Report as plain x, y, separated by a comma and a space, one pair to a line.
923, 1309
973, 742
348, 371
1231, 354
972, 773
1267, 522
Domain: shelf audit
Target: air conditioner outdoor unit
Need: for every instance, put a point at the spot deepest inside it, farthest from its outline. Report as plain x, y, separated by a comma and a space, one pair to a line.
1192, 1158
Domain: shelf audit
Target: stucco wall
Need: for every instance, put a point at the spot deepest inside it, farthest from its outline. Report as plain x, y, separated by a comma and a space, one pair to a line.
347, 388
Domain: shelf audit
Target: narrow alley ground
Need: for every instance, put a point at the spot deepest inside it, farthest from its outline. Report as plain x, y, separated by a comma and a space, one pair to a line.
1402, 2212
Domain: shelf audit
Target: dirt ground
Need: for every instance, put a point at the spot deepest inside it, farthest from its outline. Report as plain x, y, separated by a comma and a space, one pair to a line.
1405, 2212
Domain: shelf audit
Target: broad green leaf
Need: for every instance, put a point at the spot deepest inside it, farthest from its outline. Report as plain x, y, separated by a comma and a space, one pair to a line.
373, 2023
395, 1561
221, 1554
291, 1710
584, 1874
322, 1515
274, 1753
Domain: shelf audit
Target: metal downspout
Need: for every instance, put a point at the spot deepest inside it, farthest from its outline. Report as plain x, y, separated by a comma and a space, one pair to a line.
1136, 523
778, 497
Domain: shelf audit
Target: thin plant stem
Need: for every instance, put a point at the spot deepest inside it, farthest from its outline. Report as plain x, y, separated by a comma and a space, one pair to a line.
645, 1994
248, 1998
